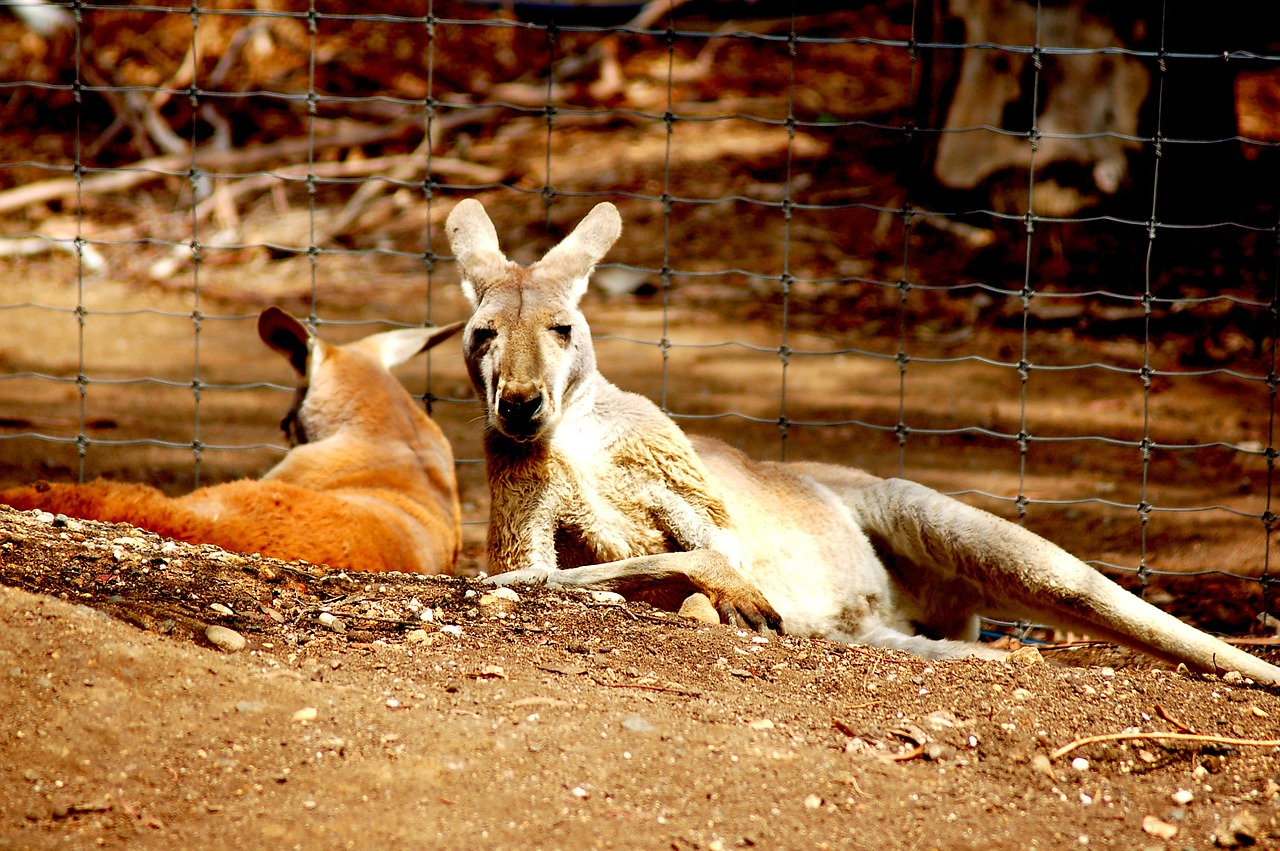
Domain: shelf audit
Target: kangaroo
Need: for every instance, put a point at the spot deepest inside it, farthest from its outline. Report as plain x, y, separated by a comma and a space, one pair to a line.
595, 487
368, 483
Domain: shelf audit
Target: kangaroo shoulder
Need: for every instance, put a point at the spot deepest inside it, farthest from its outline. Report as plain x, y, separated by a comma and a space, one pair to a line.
627, 411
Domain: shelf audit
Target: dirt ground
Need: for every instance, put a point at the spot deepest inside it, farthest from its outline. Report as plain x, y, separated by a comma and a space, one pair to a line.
366, 710
430, 712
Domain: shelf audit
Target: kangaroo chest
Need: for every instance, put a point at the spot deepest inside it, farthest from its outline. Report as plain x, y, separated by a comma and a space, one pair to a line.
635, 498
590, 497
608, 514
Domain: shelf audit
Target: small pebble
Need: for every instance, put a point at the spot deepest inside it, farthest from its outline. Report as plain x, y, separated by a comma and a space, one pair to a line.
1026, 655
1159, 829
1080, 764
505, 594
221, 609
306, 713
697, 607
637, 724
1183, 797
812, 802
1242, 831
937, 752
227, 640
497, 602
332, 621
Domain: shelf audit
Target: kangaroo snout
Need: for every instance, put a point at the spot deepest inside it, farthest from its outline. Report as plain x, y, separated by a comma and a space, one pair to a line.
520, 409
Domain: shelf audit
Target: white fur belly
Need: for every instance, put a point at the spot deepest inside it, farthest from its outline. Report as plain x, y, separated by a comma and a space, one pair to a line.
813, 563
834, 592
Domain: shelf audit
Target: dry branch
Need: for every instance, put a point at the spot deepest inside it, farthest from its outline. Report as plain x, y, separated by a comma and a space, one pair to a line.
393, 166
152, 168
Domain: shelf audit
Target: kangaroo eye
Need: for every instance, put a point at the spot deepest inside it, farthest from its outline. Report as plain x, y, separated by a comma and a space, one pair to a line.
482, 336
564, 332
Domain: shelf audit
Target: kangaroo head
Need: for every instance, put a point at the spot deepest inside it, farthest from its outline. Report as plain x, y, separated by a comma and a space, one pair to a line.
339, 386
527, 346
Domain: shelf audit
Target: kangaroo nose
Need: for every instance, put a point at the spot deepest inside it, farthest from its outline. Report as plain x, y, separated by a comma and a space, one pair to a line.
517, 409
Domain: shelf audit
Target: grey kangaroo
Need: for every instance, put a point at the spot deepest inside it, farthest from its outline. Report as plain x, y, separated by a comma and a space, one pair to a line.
594, 487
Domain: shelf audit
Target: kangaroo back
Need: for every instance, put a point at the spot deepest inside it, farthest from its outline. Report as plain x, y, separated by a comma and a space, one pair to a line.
368, 484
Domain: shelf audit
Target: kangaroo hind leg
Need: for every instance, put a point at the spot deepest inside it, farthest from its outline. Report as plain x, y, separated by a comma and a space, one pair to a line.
928, 539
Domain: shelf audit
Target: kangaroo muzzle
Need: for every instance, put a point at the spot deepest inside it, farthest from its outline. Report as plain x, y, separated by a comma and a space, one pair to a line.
521, 411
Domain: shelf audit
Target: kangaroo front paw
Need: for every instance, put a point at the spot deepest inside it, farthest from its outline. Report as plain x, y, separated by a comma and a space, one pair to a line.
527, 576
742, 604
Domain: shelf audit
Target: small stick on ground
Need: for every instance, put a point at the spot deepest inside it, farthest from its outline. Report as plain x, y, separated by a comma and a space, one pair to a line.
1164, 713
1180, 737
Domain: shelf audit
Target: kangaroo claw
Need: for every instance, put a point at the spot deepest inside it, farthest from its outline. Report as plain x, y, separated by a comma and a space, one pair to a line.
758, 616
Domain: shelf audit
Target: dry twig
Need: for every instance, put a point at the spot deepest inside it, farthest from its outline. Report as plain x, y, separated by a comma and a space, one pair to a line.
1181, 737
1164, 713
917, 751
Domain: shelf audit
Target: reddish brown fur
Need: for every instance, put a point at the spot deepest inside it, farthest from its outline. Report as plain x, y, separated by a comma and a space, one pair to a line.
374, 489
274, 519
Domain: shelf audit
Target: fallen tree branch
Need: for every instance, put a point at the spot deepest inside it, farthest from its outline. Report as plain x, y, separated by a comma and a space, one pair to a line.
1181, 737
447, 166
127, 177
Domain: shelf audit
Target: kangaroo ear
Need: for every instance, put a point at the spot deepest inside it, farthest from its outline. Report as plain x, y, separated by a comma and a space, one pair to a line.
578, 253
393, 348
474, 242
287, 336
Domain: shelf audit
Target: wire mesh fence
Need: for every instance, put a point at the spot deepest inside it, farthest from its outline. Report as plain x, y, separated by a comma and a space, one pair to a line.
1024, 252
